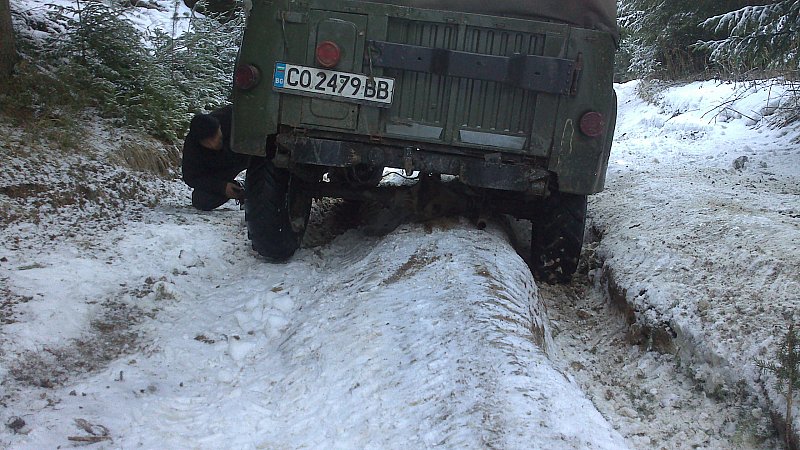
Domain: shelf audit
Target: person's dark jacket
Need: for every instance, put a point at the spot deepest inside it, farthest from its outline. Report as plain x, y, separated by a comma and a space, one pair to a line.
211, 170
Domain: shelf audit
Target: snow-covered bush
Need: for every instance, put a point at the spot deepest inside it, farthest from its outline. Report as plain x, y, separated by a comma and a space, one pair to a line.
150, 80
785, 367
659, 37
104, 51
201, 60
662, 36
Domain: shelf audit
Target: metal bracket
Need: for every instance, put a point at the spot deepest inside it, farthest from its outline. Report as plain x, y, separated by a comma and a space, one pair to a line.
493, 158
293, 17
576, 74
408, 163
531, 72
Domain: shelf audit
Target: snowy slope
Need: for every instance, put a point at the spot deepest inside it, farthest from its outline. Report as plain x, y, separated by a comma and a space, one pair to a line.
700, 224
158, 327
133, 325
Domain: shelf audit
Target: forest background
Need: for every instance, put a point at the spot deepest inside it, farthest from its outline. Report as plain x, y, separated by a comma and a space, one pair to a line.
88, 55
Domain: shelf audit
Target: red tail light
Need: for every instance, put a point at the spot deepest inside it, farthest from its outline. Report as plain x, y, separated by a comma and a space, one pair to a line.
328, 54
592, 124
246, 76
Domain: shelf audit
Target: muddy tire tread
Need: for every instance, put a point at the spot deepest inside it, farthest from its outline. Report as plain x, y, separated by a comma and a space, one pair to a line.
557, 237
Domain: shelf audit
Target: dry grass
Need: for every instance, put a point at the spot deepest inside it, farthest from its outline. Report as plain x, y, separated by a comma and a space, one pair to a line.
145, 156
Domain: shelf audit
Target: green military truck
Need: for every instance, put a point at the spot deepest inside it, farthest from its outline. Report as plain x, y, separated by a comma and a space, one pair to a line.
513, 99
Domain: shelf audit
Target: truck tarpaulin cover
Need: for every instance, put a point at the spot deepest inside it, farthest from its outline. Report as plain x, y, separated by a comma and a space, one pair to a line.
592, 14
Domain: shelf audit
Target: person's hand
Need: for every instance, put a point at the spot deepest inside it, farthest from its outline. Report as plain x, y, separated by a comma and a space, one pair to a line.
233, 190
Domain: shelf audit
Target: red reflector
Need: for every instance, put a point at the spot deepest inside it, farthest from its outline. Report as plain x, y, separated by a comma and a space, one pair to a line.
328, 54
592, 124
246, 76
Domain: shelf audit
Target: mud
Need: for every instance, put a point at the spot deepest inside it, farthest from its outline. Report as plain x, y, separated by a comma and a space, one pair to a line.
632, 370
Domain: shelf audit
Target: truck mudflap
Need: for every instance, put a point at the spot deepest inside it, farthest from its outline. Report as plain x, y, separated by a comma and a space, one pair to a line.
490, 172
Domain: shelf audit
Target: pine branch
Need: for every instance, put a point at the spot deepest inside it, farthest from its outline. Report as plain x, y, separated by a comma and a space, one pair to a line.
786, 369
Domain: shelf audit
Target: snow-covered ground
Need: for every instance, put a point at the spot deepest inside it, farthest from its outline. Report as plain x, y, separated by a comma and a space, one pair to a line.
425, 337
127, 319
155, 326
703, 223
700, 225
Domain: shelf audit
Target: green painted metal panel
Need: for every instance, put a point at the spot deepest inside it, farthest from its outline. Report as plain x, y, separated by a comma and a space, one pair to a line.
469, 115
580, 161
348, 31
256, 111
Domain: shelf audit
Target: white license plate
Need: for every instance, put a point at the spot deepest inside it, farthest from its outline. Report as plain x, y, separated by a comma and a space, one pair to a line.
332, 84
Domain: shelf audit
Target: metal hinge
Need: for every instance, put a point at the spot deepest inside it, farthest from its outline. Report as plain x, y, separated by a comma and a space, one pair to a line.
576, 74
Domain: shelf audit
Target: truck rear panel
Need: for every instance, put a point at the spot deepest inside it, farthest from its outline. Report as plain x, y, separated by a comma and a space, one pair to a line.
466, 85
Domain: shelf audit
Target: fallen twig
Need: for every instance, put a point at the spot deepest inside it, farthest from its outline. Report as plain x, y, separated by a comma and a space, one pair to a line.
90, 439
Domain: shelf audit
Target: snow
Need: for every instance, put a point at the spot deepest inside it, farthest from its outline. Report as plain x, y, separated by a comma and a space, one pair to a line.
170, 16
139, 322
705, 242
433, 335
363, 343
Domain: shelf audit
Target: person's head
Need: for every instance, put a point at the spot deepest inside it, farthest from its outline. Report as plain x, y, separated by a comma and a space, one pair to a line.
206, 130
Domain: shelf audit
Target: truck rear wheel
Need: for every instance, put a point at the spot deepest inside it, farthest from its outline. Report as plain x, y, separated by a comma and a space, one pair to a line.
276, 214
557, 237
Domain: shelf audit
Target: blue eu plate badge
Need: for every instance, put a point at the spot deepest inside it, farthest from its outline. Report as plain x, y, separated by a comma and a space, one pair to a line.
280, 75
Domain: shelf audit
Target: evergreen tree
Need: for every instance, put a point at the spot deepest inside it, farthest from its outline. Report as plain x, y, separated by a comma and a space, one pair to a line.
107, 54
8, 54
153, 81
786, 368
757, 37
661, 34
201, 61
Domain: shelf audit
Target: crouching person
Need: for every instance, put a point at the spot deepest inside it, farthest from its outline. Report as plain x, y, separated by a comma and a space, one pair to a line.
209, 165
